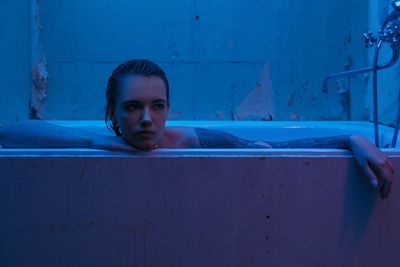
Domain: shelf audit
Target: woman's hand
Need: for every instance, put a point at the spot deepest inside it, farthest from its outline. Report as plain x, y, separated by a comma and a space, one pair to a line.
114, 143
375, 165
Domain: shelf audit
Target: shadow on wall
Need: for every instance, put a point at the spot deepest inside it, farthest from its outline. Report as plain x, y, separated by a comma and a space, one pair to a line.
359, 204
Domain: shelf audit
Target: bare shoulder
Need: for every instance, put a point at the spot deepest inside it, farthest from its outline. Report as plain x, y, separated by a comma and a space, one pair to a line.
181, 137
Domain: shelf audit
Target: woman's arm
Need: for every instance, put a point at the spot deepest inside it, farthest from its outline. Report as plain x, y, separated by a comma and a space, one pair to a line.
375, 165
218, 139
339, 141
40, 134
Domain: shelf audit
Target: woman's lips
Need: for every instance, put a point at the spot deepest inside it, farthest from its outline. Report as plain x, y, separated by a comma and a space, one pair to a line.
145, 134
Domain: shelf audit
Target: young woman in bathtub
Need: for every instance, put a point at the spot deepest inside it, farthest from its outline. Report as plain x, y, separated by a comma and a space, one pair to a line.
137, 108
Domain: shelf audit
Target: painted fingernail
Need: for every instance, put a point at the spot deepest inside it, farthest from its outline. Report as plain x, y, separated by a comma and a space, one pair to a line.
373, 182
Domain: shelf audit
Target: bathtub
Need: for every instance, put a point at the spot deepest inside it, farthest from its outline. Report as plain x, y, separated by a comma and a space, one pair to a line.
198, 207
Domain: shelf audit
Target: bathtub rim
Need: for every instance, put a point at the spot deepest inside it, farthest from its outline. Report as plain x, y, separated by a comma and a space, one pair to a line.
187, 152
202, 152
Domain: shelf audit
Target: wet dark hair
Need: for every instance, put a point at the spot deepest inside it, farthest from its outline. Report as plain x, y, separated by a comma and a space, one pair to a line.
132, 67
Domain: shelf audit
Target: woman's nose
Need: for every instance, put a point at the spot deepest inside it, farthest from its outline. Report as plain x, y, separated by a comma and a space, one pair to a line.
146, 118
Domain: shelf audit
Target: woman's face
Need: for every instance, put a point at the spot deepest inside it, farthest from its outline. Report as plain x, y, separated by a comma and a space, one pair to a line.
141, 110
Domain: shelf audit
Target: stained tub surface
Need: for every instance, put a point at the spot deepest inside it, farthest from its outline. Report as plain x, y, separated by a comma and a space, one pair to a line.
199, 207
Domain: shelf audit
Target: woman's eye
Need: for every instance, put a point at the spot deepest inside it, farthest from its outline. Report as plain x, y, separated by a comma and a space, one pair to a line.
132, 107
159, 106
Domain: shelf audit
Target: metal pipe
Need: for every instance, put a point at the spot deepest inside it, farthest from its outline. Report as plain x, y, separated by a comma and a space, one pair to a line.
390, 34
375, 91
393, 60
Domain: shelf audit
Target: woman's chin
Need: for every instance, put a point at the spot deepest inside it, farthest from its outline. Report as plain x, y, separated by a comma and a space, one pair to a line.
145, 146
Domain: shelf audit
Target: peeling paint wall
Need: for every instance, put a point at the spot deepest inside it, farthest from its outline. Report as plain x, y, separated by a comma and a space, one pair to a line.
39, 65
15, 60
214, 54
389, 79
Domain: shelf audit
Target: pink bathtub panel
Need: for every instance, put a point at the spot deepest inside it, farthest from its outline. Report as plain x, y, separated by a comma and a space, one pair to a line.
194, 211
